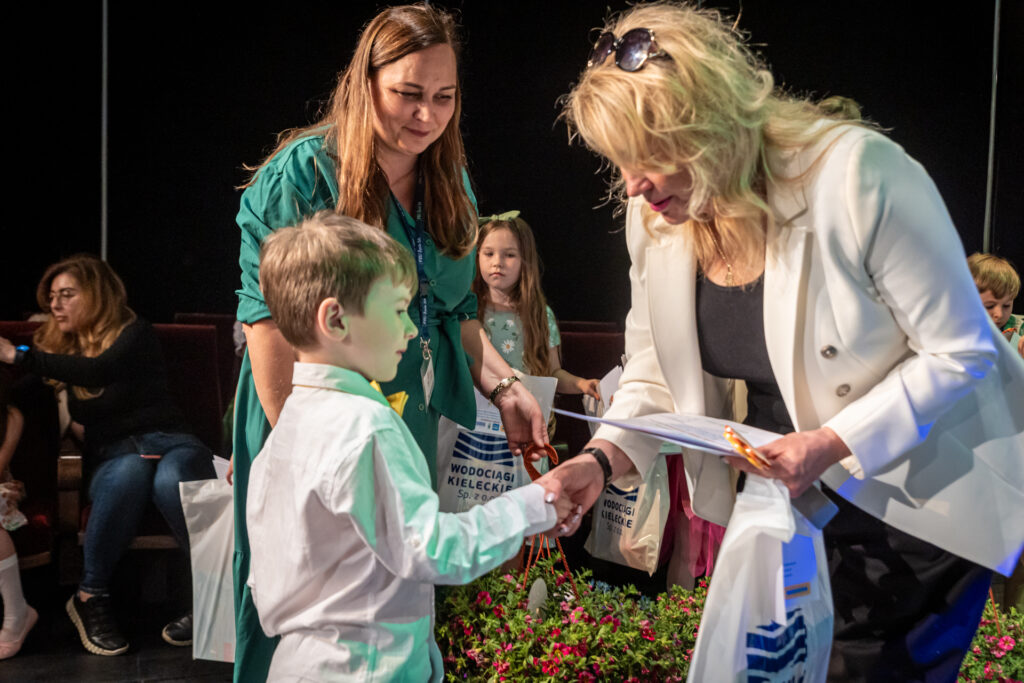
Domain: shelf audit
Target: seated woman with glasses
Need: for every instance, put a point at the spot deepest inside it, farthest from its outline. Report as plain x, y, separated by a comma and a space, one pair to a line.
865, 344
137, 445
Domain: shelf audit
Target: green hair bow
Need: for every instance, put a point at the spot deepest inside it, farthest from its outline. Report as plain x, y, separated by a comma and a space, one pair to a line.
504, 217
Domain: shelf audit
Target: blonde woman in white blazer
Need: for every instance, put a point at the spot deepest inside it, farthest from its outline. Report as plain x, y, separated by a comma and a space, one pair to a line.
870, 349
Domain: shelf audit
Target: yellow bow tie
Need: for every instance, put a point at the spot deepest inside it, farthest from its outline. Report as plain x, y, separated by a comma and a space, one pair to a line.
397, 400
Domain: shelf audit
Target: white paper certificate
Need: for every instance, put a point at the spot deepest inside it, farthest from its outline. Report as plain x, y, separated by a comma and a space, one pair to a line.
692, 431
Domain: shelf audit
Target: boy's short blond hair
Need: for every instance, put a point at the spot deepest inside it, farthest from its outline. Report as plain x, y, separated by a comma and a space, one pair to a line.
994, 274
326, 255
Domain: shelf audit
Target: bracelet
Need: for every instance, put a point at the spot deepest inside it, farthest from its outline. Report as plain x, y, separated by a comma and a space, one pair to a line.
502, 386
602, 460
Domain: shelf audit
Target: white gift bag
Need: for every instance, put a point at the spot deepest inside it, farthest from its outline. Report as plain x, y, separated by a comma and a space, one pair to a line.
209, 516
628, 524
768, 614
474, 466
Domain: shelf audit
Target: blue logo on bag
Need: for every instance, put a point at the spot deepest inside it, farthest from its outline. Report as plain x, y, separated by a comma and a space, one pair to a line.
776, 652
628, 494
474, 446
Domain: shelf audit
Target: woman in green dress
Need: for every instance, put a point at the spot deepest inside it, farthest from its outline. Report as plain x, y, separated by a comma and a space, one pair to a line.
389, 152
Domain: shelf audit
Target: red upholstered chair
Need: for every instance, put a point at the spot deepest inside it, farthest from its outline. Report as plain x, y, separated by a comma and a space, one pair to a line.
190, 356
228, 361
588, 326
585, 354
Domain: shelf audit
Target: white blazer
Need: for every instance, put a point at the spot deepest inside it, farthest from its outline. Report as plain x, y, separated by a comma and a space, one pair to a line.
874, 328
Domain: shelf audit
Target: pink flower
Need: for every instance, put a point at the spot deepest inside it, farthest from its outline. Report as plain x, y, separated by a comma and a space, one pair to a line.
1007, 643
647, 633
556, 632
998, 653
483, 597
502, 667
467, 630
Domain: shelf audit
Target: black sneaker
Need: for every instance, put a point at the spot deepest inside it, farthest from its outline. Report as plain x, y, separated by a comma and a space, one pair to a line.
96, 626
179, 631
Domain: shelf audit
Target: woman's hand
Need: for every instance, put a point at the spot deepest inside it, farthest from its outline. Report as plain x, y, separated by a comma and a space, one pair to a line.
582, 478
7, 351
522, 418
797, 459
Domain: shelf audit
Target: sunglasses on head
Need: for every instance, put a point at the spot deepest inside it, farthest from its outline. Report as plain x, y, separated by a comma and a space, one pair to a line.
632, 50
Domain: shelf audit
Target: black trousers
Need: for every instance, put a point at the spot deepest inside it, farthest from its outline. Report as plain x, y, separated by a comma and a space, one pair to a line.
905, 610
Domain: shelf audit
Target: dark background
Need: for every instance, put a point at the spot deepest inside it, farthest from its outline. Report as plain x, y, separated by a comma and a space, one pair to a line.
198, 89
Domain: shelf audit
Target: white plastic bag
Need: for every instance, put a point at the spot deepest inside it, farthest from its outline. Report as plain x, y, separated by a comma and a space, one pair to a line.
768, 614
209, 516
475, 466
629, 523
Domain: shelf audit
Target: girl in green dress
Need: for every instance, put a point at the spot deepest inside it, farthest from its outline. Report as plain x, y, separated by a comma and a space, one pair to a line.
388, 152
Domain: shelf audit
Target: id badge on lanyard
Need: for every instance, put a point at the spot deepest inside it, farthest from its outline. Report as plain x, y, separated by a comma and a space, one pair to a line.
417, 239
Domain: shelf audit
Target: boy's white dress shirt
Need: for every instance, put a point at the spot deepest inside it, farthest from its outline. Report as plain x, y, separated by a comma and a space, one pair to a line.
347, 540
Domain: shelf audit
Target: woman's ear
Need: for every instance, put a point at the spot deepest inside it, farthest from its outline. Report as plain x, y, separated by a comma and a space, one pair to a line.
331, 320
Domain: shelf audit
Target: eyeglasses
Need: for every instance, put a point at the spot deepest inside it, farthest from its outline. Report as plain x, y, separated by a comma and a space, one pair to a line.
62, 296
632, 50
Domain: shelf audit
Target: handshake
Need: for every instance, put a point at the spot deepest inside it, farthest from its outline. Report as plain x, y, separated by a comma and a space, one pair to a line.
572, 487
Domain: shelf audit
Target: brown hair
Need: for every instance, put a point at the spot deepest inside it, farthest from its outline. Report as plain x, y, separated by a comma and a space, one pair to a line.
527, 296
325, 256
347, 125
709, 107
105, 310
994, 274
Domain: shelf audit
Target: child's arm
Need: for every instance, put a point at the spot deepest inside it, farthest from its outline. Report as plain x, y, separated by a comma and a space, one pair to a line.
388, 498
15, 423
569, 383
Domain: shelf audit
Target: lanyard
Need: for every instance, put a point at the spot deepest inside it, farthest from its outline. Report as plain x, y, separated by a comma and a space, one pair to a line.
416, 233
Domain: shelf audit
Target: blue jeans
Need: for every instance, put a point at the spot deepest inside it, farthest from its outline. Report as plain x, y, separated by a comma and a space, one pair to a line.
121, 486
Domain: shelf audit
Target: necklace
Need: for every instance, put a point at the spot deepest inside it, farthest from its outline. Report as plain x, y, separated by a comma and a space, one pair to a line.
721, 255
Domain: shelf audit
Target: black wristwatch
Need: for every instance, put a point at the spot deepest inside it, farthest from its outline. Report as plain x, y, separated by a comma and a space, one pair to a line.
602, 460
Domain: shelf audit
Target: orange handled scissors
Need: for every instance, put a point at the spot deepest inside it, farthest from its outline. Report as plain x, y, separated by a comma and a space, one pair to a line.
741, 446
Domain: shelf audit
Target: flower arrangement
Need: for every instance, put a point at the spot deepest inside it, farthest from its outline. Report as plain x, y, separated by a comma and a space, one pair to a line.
487, 633
997, 653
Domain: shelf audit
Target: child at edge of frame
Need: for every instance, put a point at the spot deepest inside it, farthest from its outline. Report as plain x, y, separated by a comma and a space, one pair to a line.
347, 539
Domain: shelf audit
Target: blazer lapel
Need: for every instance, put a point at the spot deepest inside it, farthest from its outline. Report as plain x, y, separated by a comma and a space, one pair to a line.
787, 266
671, 278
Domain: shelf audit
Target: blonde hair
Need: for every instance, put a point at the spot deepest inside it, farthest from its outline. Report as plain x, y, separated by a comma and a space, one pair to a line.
326, 255
526, 295
994, 274
709, 108
347, 126
105, 311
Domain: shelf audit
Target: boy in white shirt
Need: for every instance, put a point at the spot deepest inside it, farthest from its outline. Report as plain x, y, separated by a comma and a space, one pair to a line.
347, 540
